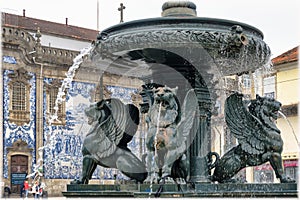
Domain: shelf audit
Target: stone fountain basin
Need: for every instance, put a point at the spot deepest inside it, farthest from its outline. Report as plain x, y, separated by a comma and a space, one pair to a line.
230, 47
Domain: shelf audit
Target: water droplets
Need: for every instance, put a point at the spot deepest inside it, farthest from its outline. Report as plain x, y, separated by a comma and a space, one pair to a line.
67, 82
289, 123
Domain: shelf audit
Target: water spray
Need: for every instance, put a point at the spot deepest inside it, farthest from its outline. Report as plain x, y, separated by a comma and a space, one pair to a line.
155, 148
289, 123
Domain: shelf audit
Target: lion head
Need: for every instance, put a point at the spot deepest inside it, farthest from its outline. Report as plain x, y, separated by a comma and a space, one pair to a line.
265, 107
166, 97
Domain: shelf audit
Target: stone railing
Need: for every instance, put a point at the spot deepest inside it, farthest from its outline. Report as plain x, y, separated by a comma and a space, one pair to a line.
56, 56
32, 49
18, 37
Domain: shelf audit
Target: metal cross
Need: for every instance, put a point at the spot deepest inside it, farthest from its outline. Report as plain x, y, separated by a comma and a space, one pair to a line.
122, 7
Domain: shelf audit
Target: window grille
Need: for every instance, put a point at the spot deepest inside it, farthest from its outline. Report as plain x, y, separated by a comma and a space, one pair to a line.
246, 81
19, 97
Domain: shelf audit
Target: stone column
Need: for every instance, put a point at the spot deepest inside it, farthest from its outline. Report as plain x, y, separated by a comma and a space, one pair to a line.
39, 109
39, 93
202, 139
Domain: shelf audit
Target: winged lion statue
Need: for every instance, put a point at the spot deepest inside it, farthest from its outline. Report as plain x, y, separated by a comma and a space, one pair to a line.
252, 123
113, 125
170, 126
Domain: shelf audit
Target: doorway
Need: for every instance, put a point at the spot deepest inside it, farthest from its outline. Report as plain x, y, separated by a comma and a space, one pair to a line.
19, 170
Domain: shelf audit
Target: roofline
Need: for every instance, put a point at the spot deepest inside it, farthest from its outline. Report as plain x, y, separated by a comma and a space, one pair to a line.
286, 61
49, 32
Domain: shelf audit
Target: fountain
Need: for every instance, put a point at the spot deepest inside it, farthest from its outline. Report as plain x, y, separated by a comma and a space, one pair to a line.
192, 54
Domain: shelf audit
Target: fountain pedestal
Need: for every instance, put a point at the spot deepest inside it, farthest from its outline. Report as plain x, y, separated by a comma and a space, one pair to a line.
171, 190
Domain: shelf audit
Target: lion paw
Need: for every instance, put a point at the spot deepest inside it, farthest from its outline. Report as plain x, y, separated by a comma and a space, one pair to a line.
169, 180
287, 180
150, 180
76, 182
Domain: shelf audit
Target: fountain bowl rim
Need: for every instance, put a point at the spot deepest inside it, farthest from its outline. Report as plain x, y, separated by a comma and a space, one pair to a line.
157, 21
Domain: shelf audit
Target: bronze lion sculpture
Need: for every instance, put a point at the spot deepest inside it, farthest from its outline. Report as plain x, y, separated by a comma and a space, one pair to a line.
252, 123
169, 126
113, 126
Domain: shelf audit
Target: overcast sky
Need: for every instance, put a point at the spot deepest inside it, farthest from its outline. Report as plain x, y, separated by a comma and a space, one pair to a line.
279, 20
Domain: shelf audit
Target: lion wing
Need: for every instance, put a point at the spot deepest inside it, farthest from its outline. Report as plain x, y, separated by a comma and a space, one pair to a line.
117, 129
189, 122
247, 128
121, 116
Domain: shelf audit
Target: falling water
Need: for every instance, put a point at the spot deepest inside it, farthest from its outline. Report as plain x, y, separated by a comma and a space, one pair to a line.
54, 117
157, 130
66, 84
289, 123
155, 150
68, 80
36, 172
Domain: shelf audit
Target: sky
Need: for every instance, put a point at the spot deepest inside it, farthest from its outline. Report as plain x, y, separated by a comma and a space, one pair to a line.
279, 20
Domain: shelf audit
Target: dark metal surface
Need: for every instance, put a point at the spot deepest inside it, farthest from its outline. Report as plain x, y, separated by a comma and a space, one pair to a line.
113, 125
233, 46
252, 123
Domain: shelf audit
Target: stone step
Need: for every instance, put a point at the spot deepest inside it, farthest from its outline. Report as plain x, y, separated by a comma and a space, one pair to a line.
185, 190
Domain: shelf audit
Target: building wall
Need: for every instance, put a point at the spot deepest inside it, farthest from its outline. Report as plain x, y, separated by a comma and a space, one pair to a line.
63, 43
62, 158
62, 154
287, 89
290, 133
287, 84
13, 132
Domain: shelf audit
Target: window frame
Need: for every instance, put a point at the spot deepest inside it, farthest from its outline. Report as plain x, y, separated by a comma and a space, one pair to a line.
19, 116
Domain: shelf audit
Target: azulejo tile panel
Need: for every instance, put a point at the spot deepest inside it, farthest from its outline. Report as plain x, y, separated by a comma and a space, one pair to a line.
11, 131
62, 153
9, 59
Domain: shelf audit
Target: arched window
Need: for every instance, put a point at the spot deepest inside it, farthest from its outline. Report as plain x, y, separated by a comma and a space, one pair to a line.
19, 88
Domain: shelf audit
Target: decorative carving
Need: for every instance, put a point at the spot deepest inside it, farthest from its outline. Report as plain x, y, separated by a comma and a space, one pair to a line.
259, 138
106, 93
19, 146
20, 75
147, 96
22, 40
218, 44
136, 99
